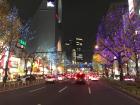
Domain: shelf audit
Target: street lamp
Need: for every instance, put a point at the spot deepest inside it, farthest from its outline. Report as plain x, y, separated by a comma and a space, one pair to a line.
96, 47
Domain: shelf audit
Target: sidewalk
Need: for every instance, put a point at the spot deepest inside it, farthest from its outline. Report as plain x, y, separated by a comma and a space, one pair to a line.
17, 85
129, 88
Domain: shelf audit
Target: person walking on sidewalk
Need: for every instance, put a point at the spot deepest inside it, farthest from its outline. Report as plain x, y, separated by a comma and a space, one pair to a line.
4, 81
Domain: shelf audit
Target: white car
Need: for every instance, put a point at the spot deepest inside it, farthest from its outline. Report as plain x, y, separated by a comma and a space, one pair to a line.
24, 79
60, 77
50, 78
94, 78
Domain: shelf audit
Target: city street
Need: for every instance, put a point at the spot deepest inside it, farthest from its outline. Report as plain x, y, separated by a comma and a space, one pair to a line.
66, 42
96, 93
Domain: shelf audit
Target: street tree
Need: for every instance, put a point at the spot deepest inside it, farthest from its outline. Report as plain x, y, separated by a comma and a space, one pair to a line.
133, 35
9, 24
110, 36
9, 30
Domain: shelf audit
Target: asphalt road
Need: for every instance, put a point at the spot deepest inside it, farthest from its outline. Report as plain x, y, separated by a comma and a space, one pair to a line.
97, 93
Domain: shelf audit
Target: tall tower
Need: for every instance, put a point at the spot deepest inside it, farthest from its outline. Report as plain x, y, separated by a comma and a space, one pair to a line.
43, 25
58, 28
58, 20
59, 11
46, 25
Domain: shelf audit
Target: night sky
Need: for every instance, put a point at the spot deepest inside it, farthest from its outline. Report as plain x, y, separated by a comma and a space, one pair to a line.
80, 17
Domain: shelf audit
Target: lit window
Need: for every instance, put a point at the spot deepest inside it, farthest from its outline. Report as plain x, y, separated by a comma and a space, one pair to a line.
81, 44
67, 44
79, 39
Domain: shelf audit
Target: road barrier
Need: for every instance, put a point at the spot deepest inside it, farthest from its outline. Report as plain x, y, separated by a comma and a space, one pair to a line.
19, 84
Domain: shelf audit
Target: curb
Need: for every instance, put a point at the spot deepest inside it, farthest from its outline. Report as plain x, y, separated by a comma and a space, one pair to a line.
123, 91
126, 92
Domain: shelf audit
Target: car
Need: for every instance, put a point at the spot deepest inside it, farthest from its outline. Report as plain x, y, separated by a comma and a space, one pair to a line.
80, 78
50, 79
60, 77
129, 78
26, 78
94, 77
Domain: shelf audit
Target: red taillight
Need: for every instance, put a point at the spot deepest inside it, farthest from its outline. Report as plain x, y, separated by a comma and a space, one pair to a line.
75, 78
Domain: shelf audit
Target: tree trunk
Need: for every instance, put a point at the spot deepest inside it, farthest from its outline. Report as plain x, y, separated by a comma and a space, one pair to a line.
25, 67
32, 65
136, 67
127, 69
106, 72
120, 67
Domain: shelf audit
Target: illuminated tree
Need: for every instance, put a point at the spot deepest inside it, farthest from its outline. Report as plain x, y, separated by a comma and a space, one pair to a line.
110, 36
4, 9
9, 31
9, 24
14, 25
133, 34
26, 32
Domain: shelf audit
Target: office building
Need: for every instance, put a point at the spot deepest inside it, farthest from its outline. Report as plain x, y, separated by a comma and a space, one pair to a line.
45, 26
74, 50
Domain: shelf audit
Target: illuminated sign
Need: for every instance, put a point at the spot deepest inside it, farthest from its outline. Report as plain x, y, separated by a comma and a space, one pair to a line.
51, 3
22, 42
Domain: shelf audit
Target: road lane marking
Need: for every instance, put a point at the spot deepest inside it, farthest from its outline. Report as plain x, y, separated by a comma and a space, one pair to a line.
62, 89
89, 90
31, 91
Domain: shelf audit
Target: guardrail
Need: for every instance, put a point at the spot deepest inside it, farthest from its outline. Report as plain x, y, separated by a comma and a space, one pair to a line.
19, 84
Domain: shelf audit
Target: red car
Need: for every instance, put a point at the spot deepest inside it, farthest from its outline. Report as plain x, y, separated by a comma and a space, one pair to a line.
80, 78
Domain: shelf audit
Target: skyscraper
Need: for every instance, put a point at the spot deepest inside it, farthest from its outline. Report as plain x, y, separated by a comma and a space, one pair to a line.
74, 50
78, 46
45, 26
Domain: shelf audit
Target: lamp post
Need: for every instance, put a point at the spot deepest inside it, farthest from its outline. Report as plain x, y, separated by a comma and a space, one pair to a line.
96, 47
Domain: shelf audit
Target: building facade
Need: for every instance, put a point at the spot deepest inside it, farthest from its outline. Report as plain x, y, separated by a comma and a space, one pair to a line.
134, 7
45, 25
74, 50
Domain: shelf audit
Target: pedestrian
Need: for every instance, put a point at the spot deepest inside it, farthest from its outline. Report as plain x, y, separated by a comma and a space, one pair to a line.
4, 81
18, 78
